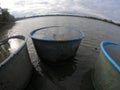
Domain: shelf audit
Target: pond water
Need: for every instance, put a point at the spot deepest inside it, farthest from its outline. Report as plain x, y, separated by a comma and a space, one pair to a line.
113, 52
95, 31
75, 74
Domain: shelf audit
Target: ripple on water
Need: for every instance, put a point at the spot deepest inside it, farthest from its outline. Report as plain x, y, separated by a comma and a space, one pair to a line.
95, 32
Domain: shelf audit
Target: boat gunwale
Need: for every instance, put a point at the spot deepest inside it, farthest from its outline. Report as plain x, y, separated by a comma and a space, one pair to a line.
103, 43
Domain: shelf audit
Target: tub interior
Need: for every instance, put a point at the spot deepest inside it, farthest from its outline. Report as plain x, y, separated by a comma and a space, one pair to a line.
114, 52
58, 33
9, 46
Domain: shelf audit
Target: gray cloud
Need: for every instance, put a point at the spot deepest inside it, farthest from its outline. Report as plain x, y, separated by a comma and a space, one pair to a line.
98, 8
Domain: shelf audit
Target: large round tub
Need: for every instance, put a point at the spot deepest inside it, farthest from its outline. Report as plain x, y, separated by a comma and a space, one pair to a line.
56, 43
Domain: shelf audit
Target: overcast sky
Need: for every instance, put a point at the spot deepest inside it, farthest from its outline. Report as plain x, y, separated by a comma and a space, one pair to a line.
99, 8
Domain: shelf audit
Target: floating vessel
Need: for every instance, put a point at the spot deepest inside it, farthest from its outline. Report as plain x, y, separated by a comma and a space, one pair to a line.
107, 67
56, 43
15, 64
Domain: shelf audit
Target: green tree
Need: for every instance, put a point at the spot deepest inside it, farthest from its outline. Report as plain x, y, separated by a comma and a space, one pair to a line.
5, 17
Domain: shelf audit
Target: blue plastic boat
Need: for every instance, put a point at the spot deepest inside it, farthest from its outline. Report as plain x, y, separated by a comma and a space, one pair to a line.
107, 67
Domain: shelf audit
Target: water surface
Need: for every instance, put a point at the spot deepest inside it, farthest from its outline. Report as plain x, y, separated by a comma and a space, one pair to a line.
75, 74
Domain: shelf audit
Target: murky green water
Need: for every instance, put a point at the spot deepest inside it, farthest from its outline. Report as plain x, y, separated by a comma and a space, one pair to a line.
113, 52
9, 47
75, 75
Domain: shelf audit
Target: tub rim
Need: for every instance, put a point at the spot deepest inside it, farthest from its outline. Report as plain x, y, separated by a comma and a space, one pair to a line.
103, 43
45, 40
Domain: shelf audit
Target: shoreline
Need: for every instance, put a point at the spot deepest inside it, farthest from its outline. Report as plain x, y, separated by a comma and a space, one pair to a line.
5, 28
89, 17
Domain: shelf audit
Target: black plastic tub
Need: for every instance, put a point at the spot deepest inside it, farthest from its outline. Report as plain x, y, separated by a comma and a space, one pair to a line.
56, 43
15, 64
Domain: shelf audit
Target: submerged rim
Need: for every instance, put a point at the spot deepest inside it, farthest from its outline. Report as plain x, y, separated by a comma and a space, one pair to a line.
13, 54
103, 43
76, 39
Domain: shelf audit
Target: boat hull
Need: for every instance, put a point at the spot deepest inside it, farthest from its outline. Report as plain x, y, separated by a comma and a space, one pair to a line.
16, 70
106, 76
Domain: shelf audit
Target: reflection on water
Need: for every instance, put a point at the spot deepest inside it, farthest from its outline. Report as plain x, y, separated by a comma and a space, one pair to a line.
71, 75
9, 47
59, 72
4, 30
79, 76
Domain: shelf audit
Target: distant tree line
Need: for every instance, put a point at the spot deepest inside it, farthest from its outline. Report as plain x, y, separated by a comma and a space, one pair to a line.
5, 17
